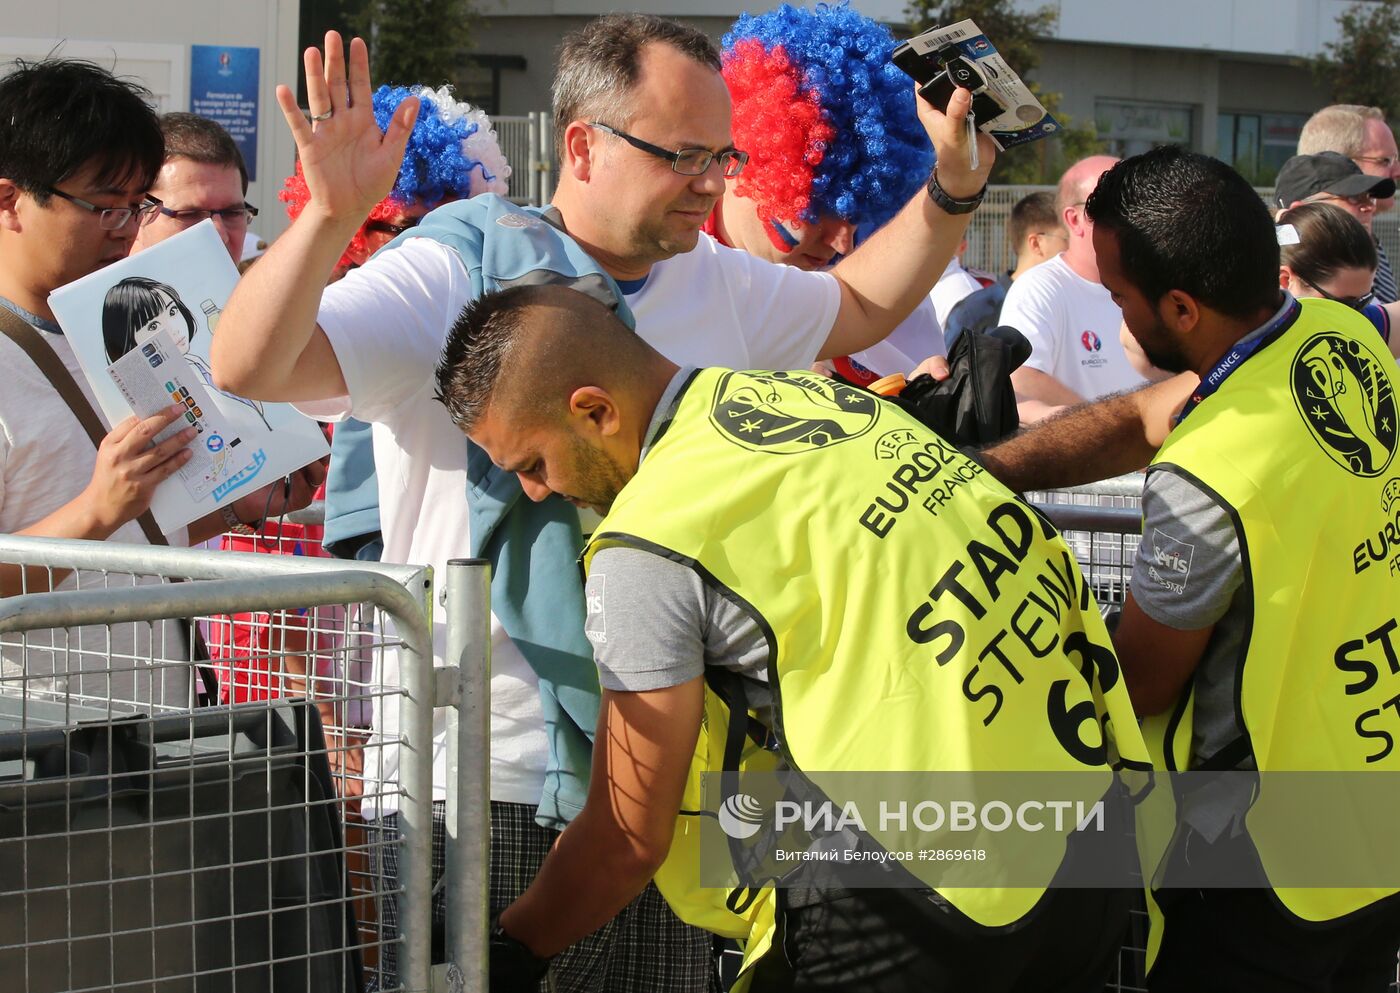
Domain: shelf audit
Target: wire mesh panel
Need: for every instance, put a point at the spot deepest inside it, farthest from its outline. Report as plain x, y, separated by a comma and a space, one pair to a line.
516, 135
1102, 523
171, 824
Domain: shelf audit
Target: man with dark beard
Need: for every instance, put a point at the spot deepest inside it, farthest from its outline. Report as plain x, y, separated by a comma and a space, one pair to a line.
1254, 567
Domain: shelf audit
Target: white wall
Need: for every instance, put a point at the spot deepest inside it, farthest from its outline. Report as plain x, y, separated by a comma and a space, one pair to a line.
150, 40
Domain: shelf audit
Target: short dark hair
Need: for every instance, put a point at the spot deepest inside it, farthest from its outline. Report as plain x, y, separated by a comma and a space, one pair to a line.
475, 352
1189, 222
1033, 212
60, 115
597, 66
189, 136
1329, 239
129, 305
523, 350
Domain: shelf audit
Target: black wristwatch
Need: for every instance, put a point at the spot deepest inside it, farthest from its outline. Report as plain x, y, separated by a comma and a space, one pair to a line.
514, 968
949, 204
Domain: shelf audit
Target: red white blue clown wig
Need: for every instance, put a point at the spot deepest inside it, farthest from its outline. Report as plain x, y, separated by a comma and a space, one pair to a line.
828, 122
452, 153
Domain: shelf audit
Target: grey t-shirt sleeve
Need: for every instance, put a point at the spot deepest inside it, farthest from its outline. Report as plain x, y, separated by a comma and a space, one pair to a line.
646, 620
1188, 565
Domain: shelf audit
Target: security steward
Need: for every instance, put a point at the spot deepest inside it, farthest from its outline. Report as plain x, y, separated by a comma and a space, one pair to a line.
1261, 622
786, 551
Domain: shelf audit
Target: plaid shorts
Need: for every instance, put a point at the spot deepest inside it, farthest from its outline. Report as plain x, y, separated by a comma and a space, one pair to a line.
644, 949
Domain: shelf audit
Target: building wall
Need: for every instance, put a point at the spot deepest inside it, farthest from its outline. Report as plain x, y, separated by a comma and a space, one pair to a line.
1206, 57
150, 41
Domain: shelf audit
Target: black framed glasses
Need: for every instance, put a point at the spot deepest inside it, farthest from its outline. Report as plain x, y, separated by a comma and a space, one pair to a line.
1355, 303
686, 161
112, 218
233, 217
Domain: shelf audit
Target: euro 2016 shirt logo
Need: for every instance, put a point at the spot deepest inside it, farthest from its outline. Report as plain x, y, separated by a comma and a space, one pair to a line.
787, 413
1347, 399
1090, 341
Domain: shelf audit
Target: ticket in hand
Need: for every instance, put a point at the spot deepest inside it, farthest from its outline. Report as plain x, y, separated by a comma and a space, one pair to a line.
154, 375
960, 55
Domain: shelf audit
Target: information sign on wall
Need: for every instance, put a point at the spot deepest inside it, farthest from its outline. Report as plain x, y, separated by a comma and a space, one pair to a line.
224, 88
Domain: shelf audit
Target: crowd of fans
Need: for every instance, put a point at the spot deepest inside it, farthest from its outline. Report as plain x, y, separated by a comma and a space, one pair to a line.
499, 379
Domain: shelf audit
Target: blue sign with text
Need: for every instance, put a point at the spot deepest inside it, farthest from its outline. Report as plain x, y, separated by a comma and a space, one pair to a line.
224, 88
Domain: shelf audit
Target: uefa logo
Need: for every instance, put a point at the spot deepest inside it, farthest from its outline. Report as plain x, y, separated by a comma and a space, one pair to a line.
741, 816
1090, 341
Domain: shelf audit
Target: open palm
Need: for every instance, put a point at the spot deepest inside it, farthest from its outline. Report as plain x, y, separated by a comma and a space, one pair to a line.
349, 164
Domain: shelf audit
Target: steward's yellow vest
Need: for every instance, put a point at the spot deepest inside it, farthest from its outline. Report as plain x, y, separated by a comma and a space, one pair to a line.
1299, 444
918, 615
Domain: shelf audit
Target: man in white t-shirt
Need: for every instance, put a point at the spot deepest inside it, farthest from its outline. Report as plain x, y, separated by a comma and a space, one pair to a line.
1069, 318
79, 149
643, 125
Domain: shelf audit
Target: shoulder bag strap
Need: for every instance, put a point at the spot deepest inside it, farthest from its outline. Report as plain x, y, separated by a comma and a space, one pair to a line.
43, 356
46, 359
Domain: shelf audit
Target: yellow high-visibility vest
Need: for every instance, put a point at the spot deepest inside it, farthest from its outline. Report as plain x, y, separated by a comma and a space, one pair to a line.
1298, 444
918, 615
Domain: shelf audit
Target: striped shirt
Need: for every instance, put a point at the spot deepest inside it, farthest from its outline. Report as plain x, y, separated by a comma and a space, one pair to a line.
1384, 285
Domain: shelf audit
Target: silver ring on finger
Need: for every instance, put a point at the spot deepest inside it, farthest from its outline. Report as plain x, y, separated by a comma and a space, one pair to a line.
323, 117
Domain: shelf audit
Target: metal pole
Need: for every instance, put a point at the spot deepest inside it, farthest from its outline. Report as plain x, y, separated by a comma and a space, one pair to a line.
546, 146
416, 815
532, 142
468, 608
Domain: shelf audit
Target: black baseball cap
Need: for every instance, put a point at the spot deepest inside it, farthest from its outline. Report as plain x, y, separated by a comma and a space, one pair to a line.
1305, 176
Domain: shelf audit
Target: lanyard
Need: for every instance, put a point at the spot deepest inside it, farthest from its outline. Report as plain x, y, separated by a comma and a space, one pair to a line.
1239, 354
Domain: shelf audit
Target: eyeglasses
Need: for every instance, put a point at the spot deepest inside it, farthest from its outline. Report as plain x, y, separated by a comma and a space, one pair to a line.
1384, 161
233, 217
392, 230
112, 218
1355, 303
686, 161
1362, 201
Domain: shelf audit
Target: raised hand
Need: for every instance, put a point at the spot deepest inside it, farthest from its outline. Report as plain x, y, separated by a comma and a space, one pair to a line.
948, 132
349, 164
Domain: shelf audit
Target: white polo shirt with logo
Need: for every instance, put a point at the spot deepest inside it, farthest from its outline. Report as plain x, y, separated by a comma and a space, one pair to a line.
1072, 325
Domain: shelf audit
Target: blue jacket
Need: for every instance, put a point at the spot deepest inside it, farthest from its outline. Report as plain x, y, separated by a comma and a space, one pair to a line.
352, 489
536, 584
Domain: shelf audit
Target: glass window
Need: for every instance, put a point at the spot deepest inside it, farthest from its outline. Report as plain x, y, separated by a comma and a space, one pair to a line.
1130, 128
1258, 144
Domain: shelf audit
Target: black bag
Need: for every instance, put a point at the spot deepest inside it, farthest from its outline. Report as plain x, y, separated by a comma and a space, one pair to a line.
976, 404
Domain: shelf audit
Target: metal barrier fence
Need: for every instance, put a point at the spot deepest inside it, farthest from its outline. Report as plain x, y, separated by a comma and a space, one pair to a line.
152, 845
146, 844
528, 142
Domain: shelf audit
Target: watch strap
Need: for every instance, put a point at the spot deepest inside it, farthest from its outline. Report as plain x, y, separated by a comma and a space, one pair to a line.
950, 204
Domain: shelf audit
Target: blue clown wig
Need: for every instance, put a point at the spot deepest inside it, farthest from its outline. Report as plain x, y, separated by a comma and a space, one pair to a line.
438, 162
828, 122
452, 153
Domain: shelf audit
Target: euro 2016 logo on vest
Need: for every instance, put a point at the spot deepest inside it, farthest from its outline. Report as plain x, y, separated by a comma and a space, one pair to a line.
1347, 400
788, 413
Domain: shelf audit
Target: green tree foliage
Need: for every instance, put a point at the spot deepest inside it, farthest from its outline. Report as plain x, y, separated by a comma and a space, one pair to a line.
1363, 65
1014, 32
417, 41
